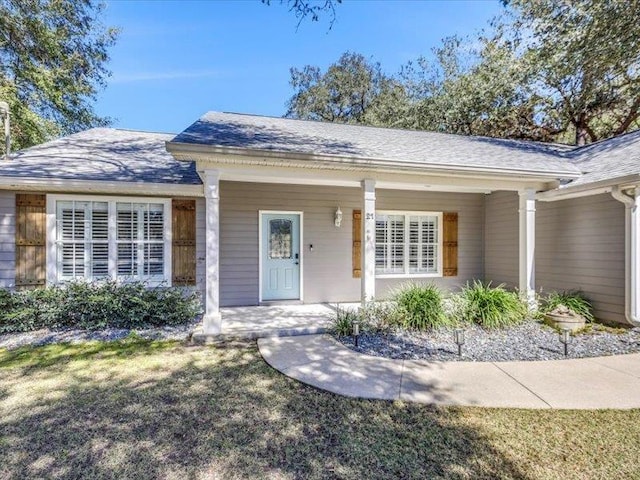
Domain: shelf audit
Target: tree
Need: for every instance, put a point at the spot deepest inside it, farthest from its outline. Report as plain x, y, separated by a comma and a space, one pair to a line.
352, 90
52, 63
547, 70
310, 9
477, 87
585, 55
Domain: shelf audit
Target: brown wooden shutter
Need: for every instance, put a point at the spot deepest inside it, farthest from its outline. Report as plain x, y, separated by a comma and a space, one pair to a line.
183, 251
357, 244
31, 236
450, 244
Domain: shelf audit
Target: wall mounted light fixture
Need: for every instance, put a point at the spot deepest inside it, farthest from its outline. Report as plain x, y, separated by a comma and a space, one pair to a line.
338, 218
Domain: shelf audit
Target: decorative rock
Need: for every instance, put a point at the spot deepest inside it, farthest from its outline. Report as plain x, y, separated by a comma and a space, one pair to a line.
528, 341
562, 318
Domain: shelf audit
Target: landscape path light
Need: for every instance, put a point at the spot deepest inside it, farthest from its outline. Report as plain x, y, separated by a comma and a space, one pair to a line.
356, 331
458, 337
566, 339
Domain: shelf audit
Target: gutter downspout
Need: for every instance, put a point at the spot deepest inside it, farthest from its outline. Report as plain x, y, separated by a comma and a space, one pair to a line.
631, 200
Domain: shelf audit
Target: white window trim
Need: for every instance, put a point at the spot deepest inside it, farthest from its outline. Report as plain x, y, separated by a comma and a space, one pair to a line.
52, 261
408, 213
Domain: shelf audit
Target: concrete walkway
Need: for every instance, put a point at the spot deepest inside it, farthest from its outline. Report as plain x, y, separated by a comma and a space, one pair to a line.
321, 361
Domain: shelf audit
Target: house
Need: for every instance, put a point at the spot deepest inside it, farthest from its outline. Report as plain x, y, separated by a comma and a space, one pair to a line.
252, 210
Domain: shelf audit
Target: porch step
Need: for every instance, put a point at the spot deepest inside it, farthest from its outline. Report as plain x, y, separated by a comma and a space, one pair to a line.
199, 337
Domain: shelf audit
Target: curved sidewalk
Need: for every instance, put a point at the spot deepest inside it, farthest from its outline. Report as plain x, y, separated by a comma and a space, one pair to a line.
589, 383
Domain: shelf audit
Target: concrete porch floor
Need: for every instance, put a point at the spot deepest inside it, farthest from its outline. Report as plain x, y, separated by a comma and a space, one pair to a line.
272, 321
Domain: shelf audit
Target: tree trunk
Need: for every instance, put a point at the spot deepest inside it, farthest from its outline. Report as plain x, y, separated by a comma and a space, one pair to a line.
582, 132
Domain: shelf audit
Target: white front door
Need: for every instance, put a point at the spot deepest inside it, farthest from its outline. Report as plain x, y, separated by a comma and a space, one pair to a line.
280, 256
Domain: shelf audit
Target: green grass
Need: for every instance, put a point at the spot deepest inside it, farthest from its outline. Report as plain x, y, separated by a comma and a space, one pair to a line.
141, 409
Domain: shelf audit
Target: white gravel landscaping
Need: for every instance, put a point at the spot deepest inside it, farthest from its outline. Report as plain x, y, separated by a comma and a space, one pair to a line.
528, 341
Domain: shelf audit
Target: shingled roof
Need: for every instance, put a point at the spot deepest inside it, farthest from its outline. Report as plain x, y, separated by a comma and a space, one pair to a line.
609, 159
103, 154
333, 139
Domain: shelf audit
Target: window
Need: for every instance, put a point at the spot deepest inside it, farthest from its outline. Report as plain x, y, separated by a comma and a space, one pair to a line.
82, 240
408, 243
280, 239
110, 239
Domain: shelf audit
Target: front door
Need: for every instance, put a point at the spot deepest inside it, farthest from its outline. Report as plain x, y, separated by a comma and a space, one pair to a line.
280, 256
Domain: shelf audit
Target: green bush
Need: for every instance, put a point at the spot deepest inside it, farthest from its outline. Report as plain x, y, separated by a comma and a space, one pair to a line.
422, 306
573, 300
382, 317
96, 305
342, 322
492, 307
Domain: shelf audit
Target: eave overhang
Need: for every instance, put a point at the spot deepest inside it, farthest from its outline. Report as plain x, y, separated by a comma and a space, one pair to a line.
98, 186
584, 190
275, 158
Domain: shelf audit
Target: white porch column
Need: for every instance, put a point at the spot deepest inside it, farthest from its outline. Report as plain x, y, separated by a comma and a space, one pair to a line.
527, 215
212, 321
368, 289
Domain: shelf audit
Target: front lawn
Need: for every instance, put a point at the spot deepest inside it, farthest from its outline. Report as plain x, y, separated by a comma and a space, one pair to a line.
141, 409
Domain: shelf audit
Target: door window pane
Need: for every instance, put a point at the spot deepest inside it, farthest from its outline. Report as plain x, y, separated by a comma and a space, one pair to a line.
280, 239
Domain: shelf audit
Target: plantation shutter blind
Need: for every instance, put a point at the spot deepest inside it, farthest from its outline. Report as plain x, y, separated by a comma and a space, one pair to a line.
356, 262
184, 242
82, 239
30, 239
140, 240
450, 244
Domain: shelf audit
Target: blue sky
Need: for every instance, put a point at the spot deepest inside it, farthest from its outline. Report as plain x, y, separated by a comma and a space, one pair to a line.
175, 60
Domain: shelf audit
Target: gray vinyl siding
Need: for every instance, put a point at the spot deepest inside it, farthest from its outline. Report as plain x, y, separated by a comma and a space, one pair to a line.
501, 238
580, 245
470, 208
7, 239
328, 269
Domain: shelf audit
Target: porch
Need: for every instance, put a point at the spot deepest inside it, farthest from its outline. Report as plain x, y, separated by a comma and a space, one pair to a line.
273, 321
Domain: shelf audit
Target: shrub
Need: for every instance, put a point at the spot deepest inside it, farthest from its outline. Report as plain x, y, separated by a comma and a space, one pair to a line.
96, 305
342, 322
422, 306
492, 307
381, 317
573, 300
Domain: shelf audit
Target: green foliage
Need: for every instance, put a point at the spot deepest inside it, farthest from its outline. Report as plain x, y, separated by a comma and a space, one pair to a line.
492, 307
95, 306
573, 300
423, 307
381, 317
343, 320
53, 57
374, 317
352, 90
545, 71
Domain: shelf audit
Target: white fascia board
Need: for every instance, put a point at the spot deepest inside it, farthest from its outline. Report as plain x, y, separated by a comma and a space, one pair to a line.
98, 186
588, 189
222, 155
395, 181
